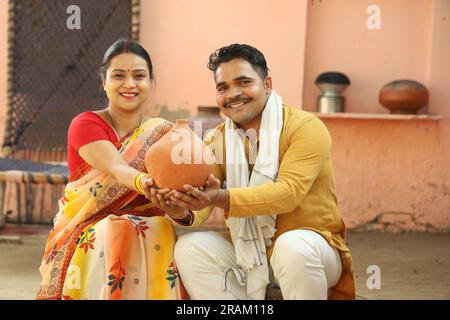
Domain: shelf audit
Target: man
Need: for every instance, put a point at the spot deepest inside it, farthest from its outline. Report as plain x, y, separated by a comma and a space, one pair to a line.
279, 202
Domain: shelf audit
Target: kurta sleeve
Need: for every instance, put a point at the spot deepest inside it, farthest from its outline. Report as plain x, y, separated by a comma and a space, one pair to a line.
200, 216
309, 146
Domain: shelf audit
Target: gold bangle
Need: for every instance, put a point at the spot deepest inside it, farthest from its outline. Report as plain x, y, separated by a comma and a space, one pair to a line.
138, 183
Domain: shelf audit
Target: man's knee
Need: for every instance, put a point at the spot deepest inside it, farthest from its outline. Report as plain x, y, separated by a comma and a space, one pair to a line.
291, 250
198, 246
187, 245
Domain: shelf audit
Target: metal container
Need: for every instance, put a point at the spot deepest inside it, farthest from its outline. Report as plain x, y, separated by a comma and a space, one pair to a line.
331, 84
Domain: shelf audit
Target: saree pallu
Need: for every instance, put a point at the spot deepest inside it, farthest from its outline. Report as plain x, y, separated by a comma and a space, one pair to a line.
107, 241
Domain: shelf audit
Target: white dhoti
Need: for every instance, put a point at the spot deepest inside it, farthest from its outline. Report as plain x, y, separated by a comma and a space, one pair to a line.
304, 265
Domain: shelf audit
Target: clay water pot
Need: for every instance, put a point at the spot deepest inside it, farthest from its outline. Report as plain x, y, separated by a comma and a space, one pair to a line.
180, 157
403, 96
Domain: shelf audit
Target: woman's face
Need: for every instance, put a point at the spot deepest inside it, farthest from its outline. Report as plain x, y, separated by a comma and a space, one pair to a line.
127, 81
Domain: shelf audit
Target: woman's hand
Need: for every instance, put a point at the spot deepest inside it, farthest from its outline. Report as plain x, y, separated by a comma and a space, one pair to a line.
165, 204
151, 191
160, 197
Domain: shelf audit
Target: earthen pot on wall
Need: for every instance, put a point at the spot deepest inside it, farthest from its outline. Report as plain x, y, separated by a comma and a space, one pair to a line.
180, 157
403, 96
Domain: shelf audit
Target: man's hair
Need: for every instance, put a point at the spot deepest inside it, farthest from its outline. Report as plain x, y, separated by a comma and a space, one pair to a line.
239, 51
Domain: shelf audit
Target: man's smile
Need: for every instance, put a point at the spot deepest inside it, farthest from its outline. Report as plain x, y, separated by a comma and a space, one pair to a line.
238, 103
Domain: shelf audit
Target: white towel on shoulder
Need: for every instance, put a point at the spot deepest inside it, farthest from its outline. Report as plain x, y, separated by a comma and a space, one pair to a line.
251, 236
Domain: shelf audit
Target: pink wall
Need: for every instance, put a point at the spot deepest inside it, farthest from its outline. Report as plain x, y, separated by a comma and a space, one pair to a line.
439, 75
181, 34
440, 86
391, 174
339, 40
3, 62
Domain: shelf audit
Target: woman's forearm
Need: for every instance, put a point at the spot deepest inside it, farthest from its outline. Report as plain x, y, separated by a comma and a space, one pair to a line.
124, 174
103, 156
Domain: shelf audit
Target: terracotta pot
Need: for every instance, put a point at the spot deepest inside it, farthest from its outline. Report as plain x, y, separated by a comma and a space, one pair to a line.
180, 157
403, 96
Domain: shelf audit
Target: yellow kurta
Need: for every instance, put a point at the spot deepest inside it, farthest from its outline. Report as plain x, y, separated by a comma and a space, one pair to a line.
303, 194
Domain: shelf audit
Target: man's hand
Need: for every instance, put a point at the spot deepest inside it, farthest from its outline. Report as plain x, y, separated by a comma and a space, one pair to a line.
198, 199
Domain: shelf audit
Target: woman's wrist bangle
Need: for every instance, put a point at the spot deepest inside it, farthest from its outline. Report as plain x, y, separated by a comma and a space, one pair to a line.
138, 182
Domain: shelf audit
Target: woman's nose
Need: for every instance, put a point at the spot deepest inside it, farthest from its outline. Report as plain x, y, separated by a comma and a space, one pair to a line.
129, 82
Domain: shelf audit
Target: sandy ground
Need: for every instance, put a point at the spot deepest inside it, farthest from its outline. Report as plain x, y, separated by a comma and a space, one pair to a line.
411, 265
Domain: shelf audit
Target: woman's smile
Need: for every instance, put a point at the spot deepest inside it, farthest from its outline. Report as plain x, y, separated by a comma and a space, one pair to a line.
129, 95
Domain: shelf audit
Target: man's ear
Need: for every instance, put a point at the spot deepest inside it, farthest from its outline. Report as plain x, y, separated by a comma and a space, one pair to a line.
268, 85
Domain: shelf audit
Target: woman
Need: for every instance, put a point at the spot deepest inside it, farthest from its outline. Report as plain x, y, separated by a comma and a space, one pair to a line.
110, 239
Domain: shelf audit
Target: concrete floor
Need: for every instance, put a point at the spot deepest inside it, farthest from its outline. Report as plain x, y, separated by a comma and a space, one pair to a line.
412, 265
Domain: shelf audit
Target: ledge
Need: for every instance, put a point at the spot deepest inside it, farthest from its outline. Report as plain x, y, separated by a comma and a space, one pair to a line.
378, 116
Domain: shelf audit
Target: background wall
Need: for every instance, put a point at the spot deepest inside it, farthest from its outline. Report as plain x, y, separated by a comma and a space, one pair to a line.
391, 174
181, 34
339, 40
3, 63
439, 75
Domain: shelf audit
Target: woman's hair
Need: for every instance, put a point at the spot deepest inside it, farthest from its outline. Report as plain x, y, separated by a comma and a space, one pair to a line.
242, 51
125, 46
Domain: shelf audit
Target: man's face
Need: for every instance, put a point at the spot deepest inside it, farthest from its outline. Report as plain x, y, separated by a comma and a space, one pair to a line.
241, 93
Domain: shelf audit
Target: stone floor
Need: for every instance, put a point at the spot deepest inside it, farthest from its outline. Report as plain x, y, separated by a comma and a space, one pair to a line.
411, 265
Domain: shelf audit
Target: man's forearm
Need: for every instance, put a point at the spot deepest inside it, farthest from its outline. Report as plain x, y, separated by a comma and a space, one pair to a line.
222, 199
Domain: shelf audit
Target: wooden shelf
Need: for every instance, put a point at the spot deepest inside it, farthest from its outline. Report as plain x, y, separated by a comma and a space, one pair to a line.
378, 116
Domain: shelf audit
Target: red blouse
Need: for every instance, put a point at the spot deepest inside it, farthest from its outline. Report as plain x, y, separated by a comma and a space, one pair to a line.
85, 128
